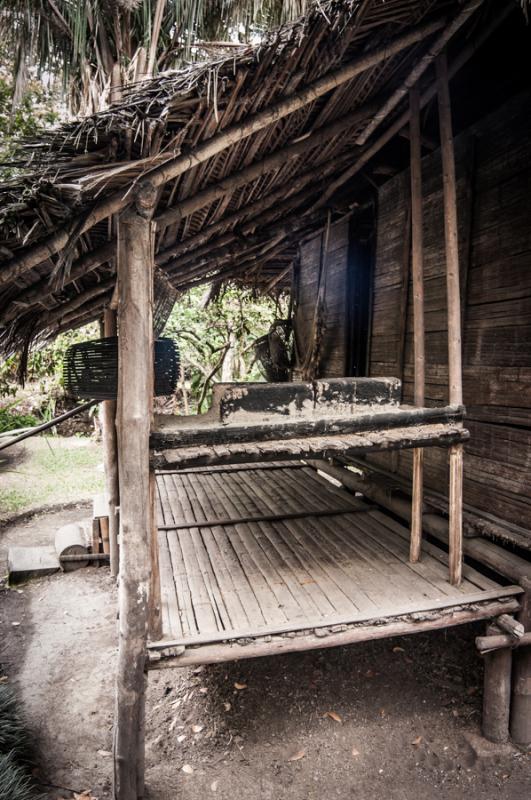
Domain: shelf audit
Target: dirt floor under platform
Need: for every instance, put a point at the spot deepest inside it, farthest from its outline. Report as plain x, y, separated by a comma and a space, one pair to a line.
395, 718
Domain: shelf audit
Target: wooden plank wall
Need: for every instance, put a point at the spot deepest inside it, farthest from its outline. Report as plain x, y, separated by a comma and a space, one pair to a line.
337, 325
493, 162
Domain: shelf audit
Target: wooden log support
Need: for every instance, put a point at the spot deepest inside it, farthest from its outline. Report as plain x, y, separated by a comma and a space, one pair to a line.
487, 644
455, 378
497, 692
417, 269
110, 455
521, 699
135, 393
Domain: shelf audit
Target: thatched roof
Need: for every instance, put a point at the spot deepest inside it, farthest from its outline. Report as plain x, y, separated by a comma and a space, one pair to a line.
234, 214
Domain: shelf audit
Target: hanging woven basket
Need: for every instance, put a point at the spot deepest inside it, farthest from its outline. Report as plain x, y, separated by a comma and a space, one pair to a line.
91, 368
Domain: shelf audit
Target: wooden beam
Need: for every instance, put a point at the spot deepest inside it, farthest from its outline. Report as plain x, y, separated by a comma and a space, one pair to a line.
455, 496
419, 69
417, 269
294, 102
135, 393
37, 293
496, 692
271, 162
110, 454
461, 59
216, 144
216, 653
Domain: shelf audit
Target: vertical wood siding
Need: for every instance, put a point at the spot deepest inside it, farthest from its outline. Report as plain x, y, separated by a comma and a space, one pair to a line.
493, 163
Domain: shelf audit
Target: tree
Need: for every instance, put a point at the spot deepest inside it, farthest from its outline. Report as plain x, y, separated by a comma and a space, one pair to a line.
215, 334
99, 46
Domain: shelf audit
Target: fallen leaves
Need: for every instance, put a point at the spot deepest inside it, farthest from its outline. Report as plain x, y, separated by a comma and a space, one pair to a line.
187, 769
355, 752
398, 649
86, 795
240, 686
297, 756
214, 786
197, 728
333, 715
417, 741
227, 706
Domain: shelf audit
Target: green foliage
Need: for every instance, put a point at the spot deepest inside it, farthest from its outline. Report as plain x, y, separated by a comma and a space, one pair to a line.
16, 782
13, 735
215, 336
54, 470
82, 40
11, 420
33, 110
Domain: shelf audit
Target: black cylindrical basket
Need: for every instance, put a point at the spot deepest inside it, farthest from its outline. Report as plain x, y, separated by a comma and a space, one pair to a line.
91, 368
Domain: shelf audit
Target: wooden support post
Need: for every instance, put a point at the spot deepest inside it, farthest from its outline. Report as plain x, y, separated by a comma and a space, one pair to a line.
417, 269
521, 700
135, 393
455, 379
497, 692
110, 455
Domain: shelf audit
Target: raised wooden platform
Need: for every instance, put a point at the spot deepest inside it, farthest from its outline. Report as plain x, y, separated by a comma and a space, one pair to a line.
272, 557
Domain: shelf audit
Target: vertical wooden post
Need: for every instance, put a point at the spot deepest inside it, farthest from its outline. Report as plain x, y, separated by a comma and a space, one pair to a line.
135, 393
497, 692
110, 454
455, 380
417, 269
521, 705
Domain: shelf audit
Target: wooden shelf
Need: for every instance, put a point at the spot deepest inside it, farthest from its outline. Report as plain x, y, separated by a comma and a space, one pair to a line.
439, 435
256, 560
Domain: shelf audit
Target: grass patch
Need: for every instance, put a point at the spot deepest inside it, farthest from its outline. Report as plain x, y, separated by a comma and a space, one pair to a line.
16, 782
51, 470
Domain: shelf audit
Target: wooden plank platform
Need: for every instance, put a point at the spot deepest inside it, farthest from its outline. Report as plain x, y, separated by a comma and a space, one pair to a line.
252, 556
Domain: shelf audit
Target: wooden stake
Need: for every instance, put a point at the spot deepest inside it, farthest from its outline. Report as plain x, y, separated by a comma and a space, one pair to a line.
497, 692
110, 455
417, 269
135, 393
521, 705
455, 380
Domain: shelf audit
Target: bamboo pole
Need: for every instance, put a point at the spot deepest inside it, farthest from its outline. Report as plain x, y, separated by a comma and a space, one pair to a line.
455, 378
110, 454
395, 128
419, 69
417, 270
135, 393
119, 199
275, 160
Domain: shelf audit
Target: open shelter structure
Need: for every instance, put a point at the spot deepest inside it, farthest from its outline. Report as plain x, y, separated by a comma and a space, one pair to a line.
323, 161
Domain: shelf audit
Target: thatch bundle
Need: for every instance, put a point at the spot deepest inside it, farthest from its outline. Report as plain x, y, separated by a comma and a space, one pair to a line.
230, 206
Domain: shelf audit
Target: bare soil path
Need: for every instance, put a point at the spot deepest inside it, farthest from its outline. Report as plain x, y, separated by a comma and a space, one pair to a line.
389, 719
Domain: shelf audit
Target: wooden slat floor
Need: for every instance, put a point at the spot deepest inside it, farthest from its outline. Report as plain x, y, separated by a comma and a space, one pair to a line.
340, 560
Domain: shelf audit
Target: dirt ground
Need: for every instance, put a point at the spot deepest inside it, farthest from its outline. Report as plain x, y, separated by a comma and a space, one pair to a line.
395, 719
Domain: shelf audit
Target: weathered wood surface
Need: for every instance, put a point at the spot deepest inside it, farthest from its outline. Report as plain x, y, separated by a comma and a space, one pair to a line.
335, 636
169, 432
520, 723
110, 456
227, 580
310, 447
135, 398
390, 492
496, 692
496, 241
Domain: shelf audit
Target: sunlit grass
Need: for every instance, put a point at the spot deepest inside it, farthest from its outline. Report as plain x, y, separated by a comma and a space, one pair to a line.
53, 470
